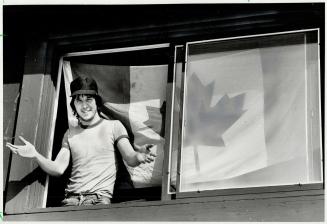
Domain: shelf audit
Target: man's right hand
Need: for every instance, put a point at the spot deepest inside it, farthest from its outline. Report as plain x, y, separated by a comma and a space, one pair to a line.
28, 150
145, 149
145, 157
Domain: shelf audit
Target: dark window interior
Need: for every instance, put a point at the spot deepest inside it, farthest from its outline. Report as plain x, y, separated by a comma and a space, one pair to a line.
56, 189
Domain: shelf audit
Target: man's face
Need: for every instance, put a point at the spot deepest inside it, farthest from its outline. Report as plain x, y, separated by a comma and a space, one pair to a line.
86, 107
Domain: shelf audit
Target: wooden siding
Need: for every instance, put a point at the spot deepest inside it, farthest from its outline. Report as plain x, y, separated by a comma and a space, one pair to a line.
13, 68
277, 207
26, 183
10, 103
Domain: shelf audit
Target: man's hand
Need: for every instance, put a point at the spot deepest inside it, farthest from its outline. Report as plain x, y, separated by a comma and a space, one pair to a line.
28, 150
135, 155
145, 149
145, 157
144, 154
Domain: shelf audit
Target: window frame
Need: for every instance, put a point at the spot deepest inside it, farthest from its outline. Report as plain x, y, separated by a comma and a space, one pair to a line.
259, 189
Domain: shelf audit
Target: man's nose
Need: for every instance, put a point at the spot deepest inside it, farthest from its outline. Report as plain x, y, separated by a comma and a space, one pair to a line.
84, 104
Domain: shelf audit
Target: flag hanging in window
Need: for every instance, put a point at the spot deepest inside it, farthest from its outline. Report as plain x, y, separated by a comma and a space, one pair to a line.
135, 95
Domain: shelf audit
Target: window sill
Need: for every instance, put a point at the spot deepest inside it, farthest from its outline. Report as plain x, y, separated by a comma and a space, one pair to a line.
289, 191
299, 188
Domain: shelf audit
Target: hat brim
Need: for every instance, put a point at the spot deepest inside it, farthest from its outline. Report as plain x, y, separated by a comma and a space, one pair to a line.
84, 92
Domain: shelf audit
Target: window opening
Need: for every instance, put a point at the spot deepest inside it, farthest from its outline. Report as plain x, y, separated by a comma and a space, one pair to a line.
132, 83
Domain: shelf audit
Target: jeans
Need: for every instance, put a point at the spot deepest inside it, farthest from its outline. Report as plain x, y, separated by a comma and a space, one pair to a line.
87, 199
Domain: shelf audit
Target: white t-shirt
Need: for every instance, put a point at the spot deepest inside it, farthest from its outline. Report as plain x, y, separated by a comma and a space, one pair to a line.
94, 164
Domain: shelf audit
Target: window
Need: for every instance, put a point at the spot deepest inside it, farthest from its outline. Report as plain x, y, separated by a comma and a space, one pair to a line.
249, 113
234, 113
132, 83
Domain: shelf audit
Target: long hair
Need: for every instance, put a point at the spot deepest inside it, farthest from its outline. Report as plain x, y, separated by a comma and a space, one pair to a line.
98, 102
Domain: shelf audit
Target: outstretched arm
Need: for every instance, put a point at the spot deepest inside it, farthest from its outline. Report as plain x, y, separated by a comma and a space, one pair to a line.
132, 157
53, 168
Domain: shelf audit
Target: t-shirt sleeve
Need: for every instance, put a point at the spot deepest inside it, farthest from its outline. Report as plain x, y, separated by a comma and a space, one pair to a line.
119, 131
65, 143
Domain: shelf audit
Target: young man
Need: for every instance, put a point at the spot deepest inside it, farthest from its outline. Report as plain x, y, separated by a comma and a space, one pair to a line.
91, 147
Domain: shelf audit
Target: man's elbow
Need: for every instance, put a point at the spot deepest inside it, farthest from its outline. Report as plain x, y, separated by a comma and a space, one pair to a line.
57, 172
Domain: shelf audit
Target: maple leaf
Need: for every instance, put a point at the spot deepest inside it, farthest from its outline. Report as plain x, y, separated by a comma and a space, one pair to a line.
206, 124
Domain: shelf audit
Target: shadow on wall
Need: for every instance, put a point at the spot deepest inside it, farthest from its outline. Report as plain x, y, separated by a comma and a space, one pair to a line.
15, 187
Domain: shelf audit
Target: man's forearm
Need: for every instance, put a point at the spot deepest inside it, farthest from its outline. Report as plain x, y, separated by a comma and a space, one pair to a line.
49, 166
132, 157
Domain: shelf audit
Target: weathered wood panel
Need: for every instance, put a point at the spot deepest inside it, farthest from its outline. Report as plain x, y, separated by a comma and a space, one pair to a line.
306, 208
26, 183
13, 68
10, 103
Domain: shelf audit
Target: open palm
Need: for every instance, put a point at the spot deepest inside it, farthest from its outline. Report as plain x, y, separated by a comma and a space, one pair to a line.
27, 150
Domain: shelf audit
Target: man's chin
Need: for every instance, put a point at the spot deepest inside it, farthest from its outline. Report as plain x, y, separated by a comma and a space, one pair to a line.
85, 119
